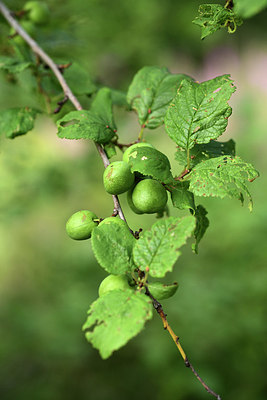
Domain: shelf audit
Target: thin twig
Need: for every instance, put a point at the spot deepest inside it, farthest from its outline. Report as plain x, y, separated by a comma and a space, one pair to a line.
58, 74
60, 104
175, 338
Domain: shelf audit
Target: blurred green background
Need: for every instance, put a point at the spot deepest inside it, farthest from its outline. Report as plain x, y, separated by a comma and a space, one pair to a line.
48, 281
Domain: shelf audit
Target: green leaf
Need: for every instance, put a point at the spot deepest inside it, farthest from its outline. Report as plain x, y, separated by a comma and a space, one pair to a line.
223, 176
248, 8
201, 152
161, 291
79, 80
201, 226
199, 112
150, 93
112, 246
151, 162
115, 318
158, 248
17, 121
13, 65
181, 197
96, 124
214, 16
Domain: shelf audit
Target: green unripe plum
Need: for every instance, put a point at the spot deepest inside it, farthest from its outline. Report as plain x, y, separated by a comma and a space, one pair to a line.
113, 282
114, 220
135, 146
118, 177
38, 11
81, 224
149, 196
130, 202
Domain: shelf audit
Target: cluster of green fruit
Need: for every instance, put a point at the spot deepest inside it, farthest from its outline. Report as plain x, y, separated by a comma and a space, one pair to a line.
80, 226
145, 195
34, 13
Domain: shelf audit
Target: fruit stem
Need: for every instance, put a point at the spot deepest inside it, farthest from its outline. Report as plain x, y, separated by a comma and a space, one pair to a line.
140, 136
188, 159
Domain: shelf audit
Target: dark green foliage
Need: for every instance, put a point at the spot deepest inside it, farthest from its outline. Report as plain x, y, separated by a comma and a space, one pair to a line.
182, 198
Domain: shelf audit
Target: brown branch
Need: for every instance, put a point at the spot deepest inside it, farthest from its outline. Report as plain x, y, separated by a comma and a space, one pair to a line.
175, 338
60, 104
58, 74
183, 174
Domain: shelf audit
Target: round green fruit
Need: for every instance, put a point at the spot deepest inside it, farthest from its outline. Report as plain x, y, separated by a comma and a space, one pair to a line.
130, 149
118, 177
113, 282
81, 224
114, 220
130, 202
149, 196
37, 11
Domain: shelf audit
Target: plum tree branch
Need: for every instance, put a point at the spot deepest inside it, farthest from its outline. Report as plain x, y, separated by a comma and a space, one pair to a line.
58, 74
175, 338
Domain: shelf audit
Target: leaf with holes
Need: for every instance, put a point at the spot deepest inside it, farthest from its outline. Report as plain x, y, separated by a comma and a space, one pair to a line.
115, 318
199, 112
159, 248
212, 17
150, 93
223, 176
201, 152
17, 121
96, 124
151, 162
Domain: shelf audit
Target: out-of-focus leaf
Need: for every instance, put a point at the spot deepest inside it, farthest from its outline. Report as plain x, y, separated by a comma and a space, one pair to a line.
248, 8
17, 121
13, 65
215, 16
